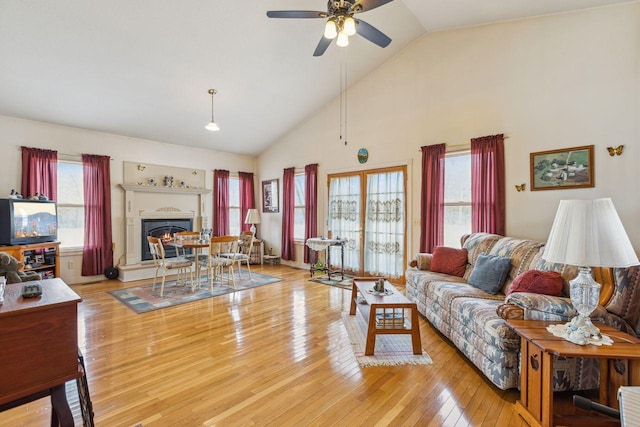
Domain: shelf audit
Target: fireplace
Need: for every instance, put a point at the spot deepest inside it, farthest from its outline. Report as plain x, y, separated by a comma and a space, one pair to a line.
163, 229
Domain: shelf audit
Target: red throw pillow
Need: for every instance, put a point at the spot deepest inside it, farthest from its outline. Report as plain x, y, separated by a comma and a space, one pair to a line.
449, 261
537, 282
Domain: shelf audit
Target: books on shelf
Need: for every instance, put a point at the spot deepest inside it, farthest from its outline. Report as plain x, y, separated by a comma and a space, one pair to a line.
390, 319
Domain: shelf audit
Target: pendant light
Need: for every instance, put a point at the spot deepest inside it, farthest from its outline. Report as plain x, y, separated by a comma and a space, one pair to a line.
212, 126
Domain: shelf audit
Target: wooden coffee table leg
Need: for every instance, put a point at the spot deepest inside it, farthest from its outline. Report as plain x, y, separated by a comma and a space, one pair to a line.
371, 332
354, 297
415, 332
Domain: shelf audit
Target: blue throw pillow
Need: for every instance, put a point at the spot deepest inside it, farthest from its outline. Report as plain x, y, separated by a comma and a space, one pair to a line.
490, 272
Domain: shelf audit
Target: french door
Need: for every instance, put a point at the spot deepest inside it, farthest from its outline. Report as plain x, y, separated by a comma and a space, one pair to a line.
368, 208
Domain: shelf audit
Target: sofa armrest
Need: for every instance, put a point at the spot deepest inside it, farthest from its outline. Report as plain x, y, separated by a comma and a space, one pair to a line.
542, 307
510, 312
422, 261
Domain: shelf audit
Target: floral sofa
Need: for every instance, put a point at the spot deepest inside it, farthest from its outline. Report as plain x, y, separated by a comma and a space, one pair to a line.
469, 317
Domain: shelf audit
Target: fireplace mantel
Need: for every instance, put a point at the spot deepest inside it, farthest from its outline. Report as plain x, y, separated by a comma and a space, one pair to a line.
163, 189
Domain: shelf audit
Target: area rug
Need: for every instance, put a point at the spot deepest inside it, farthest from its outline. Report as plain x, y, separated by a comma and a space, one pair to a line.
336, 280
142, 299
390, 350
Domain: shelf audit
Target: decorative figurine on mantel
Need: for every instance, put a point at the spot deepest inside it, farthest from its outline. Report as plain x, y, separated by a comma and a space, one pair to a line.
168, 181
15, 195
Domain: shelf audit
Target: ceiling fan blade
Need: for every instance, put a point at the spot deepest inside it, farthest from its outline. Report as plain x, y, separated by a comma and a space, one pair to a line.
296, 14
364, 5
322, 46
371, 33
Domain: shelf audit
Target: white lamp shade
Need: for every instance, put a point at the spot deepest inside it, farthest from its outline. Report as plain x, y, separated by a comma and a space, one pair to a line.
253, 217
343, 39
589, 233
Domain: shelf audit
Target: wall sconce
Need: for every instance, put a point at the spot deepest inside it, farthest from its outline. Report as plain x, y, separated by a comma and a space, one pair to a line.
615, 151
141, 167
521, 187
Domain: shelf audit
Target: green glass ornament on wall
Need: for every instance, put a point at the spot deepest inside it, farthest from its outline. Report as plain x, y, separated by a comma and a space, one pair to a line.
363, 155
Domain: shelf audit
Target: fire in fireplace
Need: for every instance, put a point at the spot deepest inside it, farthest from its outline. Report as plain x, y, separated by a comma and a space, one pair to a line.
163, 229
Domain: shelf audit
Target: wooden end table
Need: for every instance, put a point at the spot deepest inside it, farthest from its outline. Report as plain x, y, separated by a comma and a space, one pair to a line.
391, 313
620, 365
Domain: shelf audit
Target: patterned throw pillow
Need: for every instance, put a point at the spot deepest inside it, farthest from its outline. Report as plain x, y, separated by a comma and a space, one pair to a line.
490, 273
537, 282
449, 261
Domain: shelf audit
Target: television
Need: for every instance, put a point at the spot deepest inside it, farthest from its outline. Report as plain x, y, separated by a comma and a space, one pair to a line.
25, 221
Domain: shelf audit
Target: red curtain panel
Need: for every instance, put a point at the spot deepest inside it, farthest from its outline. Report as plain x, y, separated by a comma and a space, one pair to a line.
39, 172
288, 214
220, 202
97, 254
247, 197
488, 185
310, 210
432, 197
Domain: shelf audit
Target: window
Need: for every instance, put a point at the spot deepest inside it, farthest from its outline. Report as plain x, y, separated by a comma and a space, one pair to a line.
70, 204
457, 197
299, 209
234, 206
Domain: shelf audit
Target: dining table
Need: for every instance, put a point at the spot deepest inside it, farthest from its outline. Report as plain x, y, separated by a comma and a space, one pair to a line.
197, 245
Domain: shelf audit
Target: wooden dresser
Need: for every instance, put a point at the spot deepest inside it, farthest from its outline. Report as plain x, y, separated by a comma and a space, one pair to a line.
39, 343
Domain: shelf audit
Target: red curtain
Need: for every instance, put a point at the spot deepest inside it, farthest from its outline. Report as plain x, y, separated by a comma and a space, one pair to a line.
247, 198
39, 172
310, 210
97, 254
288, 213
432, 197
221, 203
487, 185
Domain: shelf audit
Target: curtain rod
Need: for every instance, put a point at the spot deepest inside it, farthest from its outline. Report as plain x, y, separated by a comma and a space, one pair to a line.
464, 145
66, 156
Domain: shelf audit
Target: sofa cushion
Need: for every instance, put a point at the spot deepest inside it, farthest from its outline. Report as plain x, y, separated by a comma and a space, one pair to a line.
423, 261
626, 298
537, 282
449, 261
489, 273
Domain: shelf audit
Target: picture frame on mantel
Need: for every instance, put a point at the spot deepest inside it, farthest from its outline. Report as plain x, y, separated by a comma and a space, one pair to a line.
270, 196
563, 169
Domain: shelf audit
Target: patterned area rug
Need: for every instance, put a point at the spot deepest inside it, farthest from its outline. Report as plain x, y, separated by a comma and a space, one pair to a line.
390, 350
336, 280
142, 299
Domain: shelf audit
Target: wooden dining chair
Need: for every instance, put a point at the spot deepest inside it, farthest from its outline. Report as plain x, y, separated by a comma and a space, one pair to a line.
245, 243
216, 263
159, 261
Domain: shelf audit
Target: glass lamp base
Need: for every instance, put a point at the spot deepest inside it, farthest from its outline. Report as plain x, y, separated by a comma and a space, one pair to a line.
585, 293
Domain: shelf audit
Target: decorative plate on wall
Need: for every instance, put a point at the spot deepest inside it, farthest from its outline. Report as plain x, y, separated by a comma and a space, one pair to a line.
363, 155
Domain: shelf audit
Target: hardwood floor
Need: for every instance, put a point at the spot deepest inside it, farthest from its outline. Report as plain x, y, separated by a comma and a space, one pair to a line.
273, 355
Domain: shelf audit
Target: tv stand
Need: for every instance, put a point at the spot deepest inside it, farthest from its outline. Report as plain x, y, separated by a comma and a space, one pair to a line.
42, 258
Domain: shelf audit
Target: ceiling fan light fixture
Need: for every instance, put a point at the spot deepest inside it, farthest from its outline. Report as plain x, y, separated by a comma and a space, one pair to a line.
343, 39
330, 29
349, 26
212, 126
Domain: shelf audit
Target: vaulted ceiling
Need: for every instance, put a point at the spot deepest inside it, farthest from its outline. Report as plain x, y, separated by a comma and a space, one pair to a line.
143, 68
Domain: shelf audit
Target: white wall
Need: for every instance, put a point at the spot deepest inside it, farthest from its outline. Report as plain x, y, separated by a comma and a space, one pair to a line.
546, 83
15, 133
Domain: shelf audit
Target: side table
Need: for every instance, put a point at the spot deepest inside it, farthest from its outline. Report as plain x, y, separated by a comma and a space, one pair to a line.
620, 365
271, 259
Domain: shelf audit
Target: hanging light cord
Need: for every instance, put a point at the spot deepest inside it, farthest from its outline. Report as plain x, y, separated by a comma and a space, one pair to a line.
343, 94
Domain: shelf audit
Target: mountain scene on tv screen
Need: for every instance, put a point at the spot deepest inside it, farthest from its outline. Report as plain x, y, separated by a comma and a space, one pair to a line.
34, 225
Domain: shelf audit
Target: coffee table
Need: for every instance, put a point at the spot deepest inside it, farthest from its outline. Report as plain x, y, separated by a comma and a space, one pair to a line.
387, 313
620, 365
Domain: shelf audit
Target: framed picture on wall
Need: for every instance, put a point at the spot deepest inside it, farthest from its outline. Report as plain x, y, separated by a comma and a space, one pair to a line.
562, 169
270, 196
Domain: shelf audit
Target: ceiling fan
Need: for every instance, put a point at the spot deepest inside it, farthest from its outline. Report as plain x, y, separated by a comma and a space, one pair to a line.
341, 23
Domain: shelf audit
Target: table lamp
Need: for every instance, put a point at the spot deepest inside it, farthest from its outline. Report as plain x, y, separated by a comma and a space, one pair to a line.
253, 218
587, 233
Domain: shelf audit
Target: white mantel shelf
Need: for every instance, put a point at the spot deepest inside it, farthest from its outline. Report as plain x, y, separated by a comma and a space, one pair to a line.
162, 189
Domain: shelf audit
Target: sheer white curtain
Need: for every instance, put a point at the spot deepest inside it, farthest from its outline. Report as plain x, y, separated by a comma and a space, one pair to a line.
344, 219
384, 226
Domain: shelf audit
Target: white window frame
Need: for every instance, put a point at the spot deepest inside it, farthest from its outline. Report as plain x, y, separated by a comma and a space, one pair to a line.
302, 207
231, 208
72, 161
459, 203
